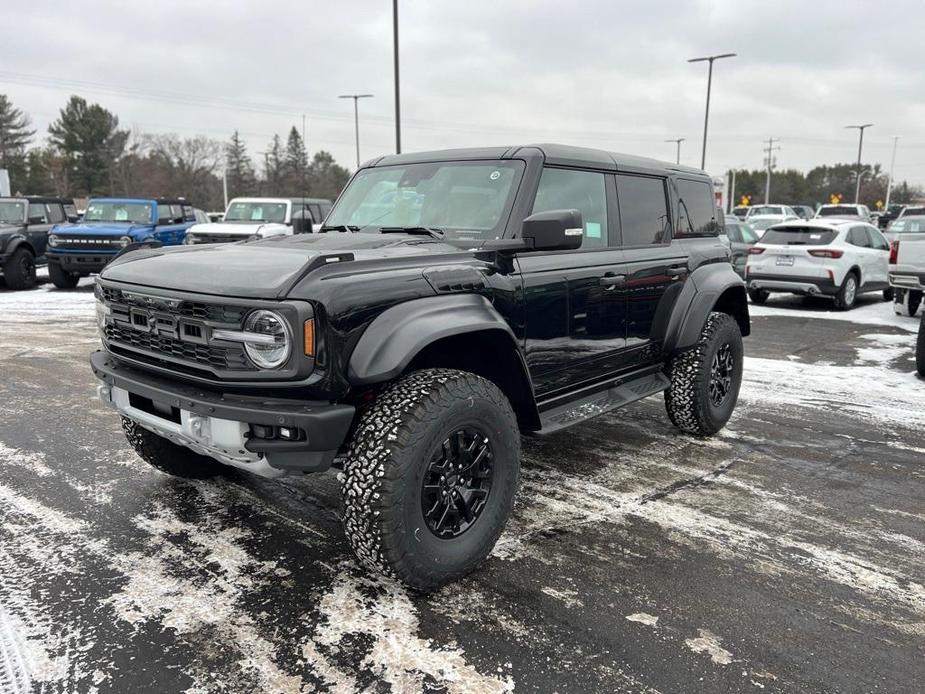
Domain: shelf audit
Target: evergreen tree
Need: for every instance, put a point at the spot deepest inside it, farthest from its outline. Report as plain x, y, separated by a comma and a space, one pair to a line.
15, 134
239, 170
327, 178
273, 165
295, 165
88, 137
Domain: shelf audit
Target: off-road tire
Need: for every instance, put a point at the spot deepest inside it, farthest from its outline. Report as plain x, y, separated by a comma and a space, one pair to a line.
386, 466
843, 300
687, 399
909, 305
920, 349
19, 270
888, 294
169, 457
758, 296
61, 278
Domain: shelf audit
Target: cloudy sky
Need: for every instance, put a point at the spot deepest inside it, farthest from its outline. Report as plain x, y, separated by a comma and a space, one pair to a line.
607, 74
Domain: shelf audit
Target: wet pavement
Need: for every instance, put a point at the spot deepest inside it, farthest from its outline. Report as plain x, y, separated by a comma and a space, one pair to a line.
785, 555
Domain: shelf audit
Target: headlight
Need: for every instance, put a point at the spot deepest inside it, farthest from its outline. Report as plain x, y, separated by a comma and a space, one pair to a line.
275, 344
53, 240
125, 241
190, 240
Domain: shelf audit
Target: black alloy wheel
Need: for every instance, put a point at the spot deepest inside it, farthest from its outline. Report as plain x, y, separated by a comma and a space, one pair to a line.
457, 483
721, 374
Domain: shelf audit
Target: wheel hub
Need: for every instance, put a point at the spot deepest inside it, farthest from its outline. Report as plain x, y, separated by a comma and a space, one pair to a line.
457, 482
721, 372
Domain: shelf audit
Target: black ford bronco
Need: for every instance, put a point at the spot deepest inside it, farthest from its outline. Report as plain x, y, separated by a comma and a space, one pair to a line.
453, 300
24, 226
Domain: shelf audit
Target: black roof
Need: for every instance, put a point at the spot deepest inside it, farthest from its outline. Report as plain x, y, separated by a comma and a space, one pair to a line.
561, 155
39, 199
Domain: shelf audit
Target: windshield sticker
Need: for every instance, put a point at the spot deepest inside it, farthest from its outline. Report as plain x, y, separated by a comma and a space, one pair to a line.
495, 175
593, 230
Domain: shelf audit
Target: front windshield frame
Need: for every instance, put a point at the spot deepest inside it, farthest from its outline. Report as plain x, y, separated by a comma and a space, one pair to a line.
242, 212
405, 205
12, 217
112, 211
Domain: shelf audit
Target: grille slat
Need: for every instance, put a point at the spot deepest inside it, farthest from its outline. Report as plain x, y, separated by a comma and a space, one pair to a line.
88, 243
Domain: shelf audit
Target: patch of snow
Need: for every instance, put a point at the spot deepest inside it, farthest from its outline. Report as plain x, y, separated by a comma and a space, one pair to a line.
47, 303
885, 348
873, 313
569, 597
643, 618
708, 643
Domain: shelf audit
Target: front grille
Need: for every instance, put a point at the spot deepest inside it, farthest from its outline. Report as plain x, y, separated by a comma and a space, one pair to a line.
88, 243
217, 238
160, 330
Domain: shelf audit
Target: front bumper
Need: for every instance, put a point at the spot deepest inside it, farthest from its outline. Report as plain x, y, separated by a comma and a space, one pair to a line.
83, 263
218, 425
810, 286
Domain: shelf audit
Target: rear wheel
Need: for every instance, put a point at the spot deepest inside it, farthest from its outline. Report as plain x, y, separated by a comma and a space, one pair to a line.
61, 278
758, 296
168, 457
920, 349
848, 293
430, 478
705, 379
908, 303
19, 270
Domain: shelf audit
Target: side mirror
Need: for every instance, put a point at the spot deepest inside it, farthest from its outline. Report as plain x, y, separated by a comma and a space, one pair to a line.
555, 230
73, 218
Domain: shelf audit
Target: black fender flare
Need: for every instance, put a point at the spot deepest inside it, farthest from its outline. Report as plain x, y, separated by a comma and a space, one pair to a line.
706, 286
399, 333
15, 242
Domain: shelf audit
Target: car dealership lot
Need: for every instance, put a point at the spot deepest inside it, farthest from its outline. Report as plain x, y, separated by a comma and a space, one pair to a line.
783, 555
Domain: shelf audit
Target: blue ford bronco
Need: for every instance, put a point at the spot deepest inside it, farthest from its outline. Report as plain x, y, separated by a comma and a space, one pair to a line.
452, 301
109, 225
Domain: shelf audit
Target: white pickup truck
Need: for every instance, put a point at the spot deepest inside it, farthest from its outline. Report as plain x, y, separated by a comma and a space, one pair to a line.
261, 218
907, 272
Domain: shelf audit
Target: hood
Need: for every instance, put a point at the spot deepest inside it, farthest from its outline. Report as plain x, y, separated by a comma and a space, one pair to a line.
257, 269
101, 229
242, 229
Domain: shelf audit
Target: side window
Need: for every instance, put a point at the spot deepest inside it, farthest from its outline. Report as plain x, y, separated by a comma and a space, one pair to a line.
734, 233
188, 214
696, 209
748, 236
877, 240
163, 215
858, 237
316, 212
70, 209
584, 191
325, 208
176, 214
644, 218
55, 213
37, 214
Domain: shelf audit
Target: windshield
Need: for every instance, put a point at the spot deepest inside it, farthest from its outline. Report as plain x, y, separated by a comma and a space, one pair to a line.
838, 211
905, 225
469, 201
798, 236
762, 224
909, 211
119, 212
12, 212
256, 212
765, 209
740, 212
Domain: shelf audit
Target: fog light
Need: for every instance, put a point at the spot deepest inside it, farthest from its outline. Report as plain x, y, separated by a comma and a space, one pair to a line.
286, 433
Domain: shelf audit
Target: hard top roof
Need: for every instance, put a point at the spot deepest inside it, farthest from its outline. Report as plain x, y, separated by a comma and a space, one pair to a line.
160, 201
556, 154
39, 198
255, 198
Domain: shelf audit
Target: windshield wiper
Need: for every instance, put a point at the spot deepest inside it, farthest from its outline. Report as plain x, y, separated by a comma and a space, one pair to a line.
340, 227
432, 231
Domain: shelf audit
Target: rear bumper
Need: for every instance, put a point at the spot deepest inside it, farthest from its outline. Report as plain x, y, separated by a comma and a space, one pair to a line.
794, 284
219, 424
907, 280
84, 263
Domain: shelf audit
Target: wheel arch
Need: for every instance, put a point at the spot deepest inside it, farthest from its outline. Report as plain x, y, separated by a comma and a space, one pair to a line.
454, 331
17, 242
714, 287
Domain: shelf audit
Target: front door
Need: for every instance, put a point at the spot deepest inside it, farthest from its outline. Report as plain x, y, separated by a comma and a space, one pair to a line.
574, 301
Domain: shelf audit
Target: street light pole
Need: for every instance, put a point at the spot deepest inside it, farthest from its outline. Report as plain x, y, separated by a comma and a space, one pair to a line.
860, 129
395, 60
706, 116
678, 141
356, 117
889, 185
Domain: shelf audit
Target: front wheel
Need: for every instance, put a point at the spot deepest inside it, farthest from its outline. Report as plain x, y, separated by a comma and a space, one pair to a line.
705, 379
19, 270
61, 278
848, 293
920, 349
430, 478
758, 296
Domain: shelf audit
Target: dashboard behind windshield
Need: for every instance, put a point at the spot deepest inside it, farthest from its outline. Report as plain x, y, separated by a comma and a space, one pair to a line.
468, 201
119, 212
256, 212
12, 212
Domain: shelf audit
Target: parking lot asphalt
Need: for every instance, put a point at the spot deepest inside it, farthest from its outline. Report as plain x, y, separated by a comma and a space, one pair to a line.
784, 555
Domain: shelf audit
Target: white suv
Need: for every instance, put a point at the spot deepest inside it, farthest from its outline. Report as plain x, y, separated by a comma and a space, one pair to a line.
839, 259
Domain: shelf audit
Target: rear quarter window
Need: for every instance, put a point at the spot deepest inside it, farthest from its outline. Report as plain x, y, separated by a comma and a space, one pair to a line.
799, 236
696, 209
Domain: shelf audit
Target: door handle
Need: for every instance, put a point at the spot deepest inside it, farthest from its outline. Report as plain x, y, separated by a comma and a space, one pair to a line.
675, 271
611, 281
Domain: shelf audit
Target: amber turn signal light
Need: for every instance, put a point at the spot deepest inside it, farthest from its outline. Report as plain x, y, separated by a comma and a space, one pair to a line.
310, 337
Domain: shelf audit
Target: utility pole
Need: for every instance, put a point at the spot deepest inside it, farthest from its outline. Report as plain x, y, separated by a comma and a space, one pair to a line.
678, 141
732, 192
770, 162
397, 93
706, 117
860, 129
889, 185
356, 117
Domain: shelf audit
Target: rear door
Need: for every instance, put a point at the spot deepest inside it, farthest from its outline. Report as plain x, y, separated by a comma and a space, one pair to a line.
866, 256
881, 261
575, 308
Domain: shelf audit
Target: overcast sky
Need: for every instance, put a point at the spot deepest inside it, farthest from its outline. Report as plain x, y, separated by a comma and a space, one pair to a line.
604, 74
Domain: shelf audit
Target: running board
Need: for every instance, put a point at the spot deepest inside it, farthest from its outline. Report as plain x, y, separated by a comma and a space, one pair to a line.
601, 401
